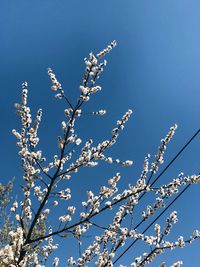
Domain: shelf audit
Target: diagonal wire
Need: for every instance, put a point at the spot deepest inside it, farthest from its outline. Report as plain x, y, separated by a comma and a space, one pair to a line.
147, 228
177, 155
172, 161
156, 179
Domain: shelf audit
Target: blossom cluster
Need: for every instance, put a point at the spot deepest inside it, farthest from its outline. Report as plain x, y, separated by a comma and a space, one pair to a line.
162, 148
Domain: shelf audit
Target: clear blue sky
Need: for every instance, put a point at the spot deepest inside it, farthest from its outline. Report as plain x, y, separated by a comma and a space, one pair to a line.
154, 70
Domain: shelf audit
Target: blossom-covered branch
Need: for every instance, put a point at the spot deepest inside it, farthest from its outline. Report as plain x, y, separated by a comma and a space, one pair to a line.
46, 187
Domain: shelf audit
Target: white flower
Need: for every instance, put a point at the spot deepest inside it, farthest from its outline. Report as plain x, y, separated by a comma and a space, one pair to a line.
177, 264
108, 203
46, 211
56, 262
78, 141
65, 218
109, 160
55, 203
128, 163
71, 209
17, 217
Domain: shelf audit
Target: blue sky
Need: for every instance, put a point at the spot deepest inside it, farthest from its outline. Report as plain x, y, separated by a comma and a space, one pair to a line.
154, 70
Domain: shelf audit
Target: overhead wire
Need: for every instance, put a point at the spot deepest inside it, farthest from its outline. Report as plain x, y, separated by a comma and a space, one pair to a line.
169, 205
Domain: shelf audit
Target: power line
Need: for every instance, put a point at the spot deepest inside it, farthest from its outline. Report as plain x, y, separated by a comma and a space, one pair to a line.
172, 161
147, 228
156, 179
177, 155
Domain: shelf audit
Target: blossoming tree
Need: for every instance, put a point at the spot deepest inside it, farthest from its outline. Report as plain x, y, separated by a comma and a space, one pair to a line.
30, 240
